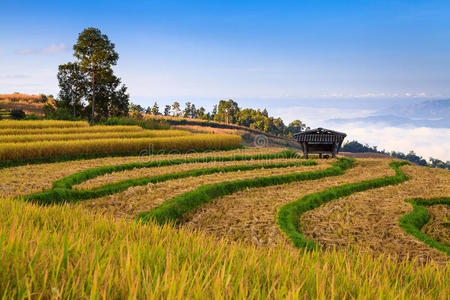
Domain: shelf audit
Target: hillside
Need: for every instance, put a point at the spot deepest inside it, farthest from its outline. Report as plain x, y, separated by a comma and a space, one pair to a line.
251, 137
253, 222
30, 104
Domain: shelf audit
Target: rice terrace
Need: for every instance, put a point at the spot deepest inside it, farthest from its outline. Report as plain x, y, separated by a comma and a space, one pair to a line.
220, 220
323, 172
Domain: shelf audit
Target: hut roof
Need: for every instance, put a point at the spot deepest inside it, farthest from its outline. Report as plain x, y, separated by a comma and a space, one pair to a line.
320, 135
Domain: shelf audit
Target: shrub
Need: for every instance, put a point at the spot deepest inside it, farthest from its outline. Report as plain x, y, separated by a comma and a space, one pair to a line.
144, 123
17, 114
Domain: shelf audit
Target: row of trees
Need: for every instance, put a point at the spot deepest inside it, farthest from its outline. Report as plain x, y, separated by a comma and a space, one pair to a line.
88, 86
228, 111
356, 147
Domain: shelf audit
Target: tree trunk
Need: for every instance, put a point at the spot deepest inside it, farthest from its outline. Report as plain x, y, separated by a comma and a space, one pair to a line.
93, 97
73, 103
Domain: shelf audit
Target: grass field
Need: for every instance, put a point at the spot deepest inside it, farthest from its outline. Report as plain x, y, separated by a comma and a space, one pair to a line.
245, 223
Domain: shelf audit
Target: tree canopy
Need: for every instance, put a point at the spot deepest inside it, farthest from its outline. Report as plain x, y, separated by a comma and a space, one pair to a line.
88, 84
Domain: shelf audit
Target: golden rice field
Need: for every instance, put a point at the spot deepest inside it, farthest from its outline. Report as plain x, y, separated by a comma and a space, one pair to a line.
90, 136
28, 124
79, 228
68, 130
28, 140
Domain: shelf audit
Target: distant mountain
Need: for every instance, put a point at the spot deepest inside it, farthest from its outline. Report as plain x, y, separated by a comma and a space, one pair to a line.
428, 110
433, 113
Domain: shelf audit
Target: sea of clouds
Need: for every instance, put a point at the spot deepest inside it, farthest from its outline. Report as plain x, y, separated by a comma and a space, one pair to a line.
426, 142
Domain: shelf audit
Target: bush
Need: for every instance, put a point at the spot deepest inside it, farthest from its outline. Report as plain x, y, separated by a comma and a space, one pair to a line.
33, 117
144, 123
17, 114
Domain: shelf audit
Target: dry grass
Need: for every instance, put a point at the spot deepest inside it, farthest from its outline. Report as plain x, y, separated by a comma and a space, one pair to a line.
146, 172
34, 178
371, 218
20, 97
250, 216
364, 155
27, 107
139, 199
30, 104
204, 129
438, 227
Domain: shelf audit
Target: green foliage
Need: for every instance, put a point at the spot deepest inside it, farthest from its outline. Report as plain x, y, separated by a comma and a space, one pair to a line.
144, 123
174, 209
289, 215
73, 85
59, 112
33, 117
90, 79
176, 110
227, 112
413, 222
155, 109
356, 147
17, 114
167, 110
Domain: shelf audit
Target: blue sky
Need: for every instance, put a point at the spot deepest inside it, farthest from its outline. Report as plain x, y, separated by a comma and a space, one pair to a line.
271, 53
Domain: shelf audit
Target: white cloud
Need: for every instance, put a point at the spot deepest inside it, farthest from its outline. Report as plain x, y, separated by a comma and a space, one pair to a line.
46, 50
423, 141
426, 142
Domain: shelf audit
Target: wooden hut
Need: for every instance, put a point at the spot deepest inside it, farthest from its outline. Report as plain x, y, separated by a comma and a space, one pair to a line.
320, 141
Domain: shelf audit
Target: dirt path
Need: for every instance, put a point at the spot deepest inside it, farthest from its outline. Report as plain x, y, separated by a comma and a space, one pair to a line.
371, 218
250, 215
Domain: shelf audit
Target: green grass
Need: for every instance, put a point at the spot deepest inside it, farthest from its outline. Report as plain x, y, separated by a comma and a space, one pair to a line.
62, 189
413, 222
174, 209
289, 215
49, 252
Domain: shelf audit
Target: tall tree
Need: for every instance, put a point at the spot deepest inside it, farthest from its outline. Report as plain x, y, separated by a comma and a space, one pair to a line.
96, 56
201, 113
176, 111
187, 110
112, 98
295, 127
227, 111
193, 111
167, 110
155, 109
73, 85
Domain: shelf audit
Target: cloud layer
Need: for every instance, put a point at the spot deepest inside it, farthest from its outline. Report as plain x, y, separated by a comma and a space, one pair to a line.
51, 49
424, 141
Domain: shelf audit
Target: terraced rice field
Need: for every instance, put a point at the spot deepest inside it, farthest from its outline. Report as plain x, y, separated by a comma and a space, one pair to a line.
43, 140
242, 223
